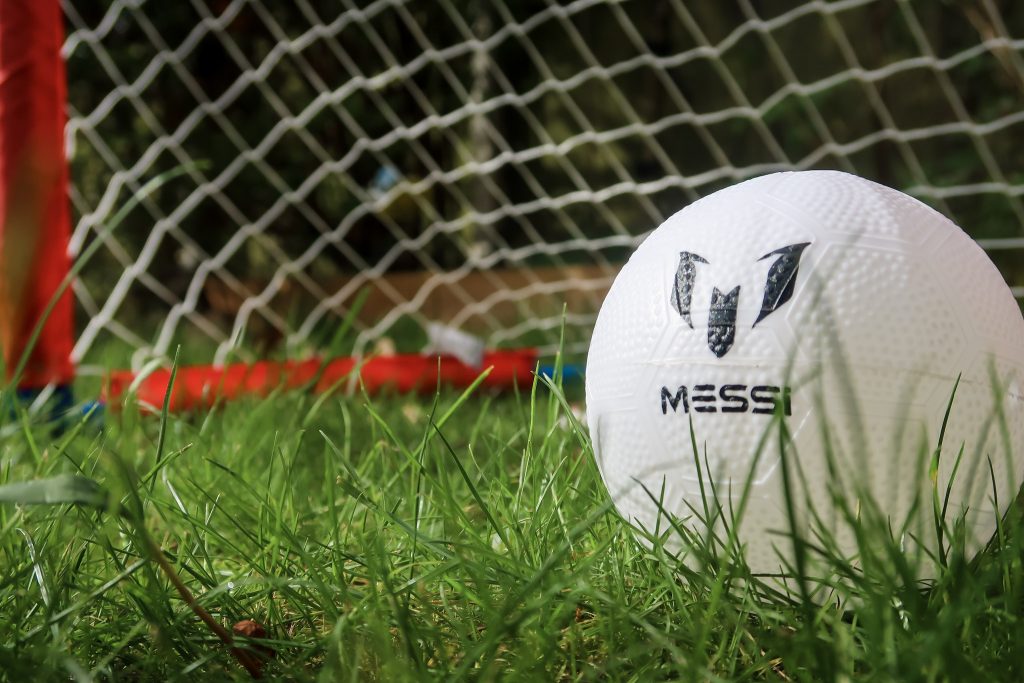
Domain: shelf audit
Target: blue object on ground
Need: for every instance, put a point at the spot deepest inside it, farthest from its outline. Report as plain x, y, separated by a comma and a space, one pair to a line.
570, 372
60, 410
59, 403
96, 411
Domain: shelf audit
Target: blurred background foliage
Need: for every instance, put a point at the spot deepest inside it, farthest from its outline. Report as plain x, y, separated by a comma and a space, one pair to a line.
580, 97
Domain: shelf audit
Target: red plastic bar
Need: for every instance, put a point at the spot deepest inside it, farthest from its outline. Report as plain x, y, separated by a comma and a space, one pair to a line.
203, 386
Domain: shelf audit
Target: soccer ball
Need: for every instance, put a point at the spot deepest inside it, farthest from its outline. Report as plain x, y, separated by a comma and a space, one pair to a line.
806, 332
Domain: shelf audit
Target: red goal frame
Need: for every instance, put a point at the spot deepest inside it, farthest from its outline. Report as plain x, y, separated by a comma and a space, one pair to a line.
35, 219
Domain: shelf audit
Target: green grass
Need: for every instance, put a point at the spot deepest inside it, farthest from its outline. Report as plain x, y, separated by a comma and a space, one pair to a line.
408, 538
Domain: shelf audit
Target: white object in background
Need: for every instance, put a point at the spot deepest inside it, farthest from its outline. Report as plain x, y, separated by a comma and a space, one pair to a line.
449, 341
849, 307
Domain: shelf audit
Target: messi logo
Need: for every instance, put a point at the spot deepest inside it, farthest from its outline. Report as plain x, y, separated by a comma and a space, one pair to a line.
723, 306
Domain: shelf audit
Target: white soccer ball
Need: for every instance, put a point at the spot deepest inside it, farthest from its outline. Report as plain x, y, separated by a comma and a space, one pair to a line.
845, 310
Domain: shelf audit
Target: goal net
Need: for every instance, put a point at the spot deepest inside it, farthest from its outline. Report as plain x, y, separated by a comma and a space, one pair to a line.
487, 164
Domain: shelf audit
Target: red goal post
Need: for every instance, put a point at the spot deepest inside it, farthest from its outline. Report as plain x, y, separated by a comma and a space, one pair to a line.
35, 220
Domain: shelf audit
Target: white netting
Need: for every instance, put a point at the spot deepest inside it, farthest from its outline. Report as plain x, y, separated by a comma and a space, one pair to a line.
480, 162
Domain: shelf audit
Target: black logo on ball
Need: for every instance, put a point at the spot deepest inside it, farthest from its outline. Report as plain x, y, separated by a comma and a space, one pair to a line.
722, 316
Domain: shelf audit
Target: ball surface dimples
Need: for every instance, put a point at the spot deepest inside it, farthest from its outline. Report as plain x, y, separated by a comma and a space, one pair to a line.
841, 307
